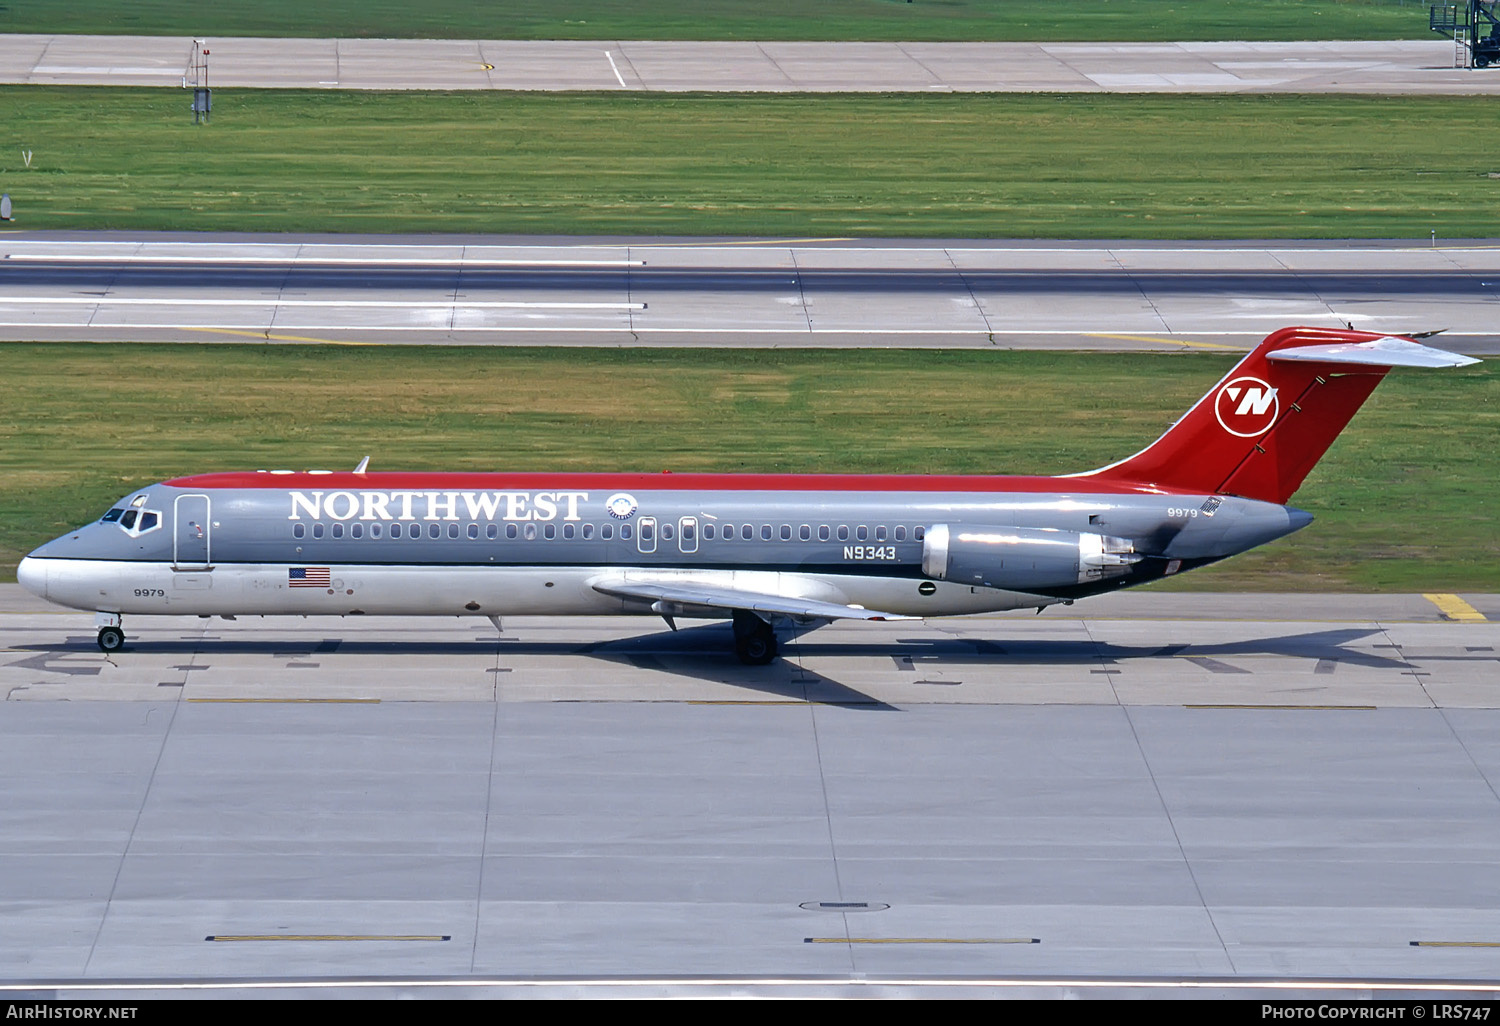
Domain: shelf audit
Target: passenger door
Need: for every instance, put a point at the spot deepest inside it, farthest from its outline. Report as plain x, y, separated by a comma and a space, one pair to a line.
191, 528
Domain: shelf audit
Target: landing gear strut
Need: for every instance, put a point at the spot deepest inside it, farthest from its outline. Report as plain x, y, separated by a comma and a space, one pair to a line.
754, 640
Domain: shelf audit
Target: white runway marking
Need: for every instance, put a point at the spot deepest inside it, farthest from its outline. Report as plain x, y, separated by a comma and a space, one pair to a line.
139, 258
618, 77
368, 304
704, 983
308, 251
49, 69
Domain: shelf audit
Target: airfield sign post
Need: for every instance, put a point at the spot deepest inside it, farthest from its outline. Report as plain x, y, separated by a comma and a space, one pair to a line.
203, 103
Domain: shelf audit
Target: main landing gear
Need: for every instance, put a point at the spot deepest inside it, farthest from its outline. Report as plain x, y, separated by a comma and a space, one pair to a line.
111, 632
754, 640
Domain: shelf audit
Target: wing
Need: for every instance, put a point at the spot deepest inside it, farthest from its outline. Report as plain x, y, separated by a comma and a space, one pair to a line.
721, 597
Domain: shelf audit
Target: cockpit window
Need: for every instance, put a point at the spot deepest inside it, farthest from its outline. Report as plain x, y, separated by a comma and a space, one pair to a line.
134, 522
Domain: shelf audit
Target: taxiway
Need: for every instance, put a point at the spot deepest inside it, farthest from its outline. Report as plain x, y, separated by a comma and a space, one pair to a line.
736, 292
1415, 66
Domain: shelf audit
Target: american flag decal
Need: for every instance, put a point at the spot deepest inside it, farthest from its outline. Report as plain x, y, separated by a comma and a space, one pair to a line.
307, 577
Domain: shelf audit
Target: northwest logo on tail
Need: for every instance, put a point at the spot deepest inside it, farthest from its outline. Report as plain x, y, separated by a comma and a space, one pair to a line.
1246, 407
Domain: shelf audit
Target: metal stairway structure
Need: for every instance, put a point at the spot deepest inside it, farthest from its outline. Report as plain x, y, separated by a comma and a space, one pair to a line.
1475, 28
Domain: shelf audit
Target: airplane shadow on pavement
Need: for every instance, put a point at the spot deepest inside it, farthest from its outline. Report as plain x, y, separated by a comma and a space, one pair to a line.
705, 652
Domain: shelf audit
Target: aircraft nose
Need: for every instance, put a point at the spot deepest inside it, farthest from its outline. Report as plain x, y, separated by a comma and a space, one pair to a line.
32, 575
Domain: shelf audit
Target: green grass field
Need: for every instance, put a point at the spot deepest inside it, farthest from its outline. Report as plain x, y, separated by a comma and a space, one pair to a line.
1072, 166
731, 19
1405, 500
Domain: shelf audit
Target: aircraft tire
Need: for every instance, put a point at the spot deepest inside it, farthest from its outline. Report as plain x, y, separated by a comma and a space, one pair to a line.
111, 639
756, 650
754, 640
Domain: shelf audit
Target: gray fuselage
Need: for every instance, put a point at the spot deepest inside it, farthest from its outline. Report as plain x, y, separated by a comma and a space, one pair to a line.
471, 544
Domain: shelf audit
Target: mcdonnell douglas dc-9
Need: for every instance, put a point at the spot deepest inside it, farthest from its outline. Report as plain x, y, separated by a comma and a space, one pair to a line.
765, 552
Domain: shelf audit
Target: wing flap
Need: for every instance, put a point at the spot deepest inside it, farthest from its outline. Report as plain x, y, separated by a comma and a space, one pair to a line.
727, 598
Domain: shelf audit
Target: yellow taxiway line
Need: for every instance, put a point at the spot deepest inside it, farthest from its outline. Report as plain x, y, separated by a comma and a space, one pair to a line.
1454, 608
1165, 341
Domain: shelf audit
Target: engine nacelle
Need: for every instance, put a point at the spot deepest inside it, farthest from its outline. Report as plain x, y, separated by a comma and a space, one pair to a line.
1022, 558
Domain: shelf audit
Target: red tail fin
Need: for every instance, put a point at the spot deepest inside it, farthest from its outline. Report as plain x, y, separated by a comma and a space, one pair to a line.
1261, 429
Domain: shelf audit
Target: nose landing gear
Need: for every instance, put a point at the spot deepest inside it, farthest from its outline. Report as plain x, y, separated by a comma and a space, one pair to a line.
754, 640
111, 632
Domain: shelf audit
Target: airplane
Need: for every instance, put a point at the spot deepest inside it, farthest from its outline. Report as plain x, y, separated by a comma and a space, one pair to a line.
766, 552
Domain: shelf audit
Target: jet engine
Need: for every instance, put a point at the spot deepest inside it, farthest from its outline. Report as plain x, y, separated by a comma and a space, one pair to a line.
1022, 558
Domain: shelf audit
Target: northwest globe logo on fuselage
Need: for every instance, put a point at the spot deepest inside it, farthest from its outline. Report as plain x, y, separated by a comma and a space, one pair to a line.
620, 505
1246, 407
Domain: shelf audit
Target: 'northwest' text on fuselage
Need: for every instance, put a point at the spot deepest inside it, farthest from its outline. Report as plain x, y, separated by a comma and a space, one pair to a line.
420, 505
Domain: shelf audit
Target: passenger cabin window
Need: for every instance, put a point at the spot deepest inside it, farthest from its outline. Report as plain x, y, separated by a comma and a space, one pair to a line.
747, 532
395, 530
823, 532
804, 532
298, 530
708, 532
765, 532
901, 533
843, 532
786, 532
356, 530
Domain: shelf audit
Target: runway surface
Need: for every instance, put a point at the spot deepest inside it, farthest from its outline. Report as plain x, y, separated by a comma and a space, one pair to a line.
1420, 66
736, 292
1275, 792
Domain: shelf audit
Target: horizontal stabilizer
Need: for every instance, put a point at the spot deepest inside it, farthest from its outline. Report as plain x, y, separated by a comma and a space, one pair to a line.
719, 597
1380, 352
